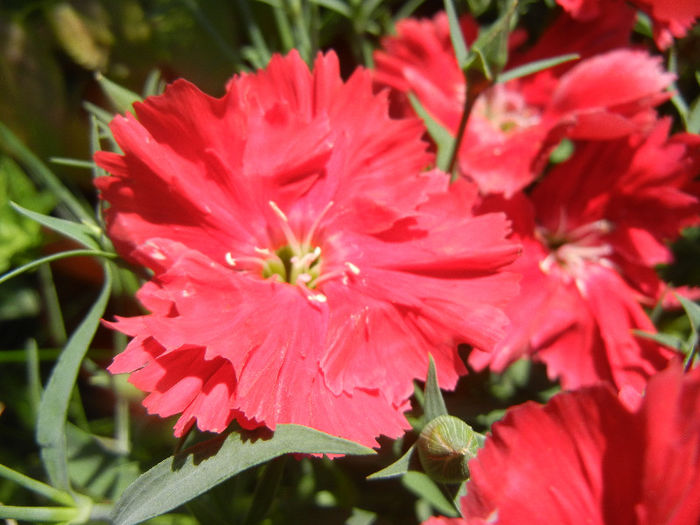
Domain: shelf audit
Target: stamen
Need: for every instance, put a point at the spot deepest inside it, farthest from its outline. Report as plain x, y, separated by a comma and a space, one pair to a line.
235, 261
309, 236
354, 269
277, 210
601, 226
288, 233
317, 297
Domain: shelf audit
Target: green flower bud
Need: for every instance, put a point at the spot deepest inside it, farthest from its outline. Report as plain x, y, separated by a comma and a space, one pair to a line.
445, 446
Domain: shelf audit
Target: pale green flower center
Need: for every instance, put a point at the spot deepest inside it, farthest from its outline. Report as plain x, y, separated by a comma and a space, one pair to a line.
291, 265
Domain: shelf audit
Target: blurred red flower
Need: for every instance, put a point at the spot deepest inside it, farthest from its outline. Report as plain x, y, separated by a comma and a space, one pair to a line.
587, 457
592, 232
304, 262
514, 126
671, 18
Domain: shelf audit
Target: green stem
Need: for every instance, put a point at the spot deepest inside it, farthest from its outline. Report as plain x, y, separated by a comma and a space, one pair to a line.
474, 89
34, 514
38, 487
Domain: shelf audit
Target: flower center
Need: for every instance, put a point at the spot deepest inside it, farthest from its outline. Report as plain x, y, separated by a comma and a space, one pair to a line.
506, 110
573, 249
294, 264
298, 262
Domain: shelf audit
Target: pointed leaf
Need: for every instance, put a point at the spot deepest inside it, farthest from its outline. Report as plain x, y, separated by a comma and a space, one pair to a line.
492, 43
121, 98
668, 340
434, 404
51, 423
424, 487
54, 257
692, 309
456, 36
80, 233
184, 476
534, 67
441, 136
397, 468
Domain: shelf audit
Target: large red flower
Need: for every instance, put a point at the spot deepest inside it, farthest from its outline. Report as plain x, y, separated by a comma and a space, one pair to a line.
592, 232
304, 262
514, 126
586, 457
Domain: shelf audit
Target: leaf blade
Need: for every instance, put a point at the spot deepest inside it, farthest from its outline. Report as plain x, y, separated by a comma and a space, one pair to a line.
50, 433
76, 231
434, 403
181, 478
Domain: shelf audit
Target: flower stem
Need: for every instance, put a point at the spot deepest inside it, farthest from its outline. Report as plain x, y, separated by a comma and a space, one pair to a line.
475, 86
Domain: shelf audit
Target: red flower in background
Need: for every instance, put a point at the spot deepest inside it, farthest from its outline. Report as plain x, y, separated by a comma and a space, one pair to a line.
592, 232
514, 126
304, 263
671, 18
586, 457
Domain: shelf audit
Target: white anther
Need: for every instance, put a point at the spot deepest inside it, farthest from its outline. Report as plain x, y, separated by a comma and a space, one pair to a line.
261, 251
277, 210
354, 269
229, 259
319, 297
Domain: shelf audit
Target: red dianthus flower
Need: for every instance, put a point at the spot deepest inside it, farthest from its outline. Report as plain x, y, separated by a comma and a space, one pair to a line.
592, 231
304, 263
514, 126
587, 457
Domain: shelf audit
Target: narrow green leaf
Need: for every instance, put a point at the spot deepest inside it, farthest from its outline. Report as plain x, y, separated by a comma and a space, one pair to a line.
102, 115
336, 5
226, 49
397, 468
534, 67
456, 36
442, 137
80, 233
154, 84
361, 517
38, 487
34, 389
12, 145
407, 9
693, 117
121, 98
693, 310
434, 404
261, 51
54, 403
180, 478
424, 487
54, 257
668, 340
73, 163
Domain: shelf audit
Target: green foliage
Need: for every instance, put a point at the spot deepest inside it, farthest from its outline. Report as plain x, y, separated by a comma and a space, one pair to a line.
180, 478
19, 235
